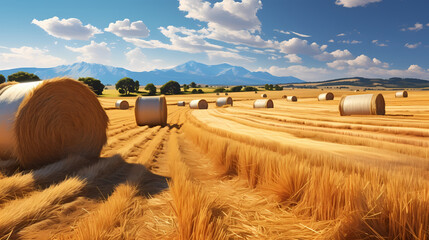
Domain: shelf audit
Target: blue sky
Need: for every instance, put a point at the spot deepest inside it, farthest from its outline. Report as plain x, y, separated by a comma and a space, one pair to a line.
310, 39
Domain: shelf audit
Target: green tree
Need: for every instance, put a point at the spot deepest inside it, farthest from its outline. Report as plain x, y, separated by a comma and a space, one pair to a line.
236, 89
96, 86
2, 79
278, 88
193, 85
185, 87
125, 86
22, 77
171, 87
151, 88
198, 86
137, 86
250, 89
194, 91
221, 89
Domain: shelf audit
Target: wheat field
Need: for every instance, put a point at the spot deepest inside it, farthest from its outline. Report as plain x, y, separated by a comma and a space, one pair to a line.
297, 171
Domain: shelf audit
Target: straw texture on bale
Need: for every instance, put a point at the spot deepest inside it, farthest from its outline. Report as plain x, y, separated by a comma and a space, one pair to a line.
263, 103
284, 96
292, 99
326, 96
181, 103
401, 94
224, 101
122, 104
6, 84
45, 121
199, 104
263, 95
365, 104
151, 111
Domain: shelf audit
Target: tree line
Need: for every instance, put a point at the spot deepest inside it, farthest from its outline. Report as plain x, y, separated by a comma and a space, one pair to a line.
126, 85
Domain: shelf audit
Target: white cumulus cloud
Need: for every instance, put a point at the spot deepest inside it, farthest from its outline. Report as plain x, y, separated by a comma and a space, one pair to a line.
28, 57
126, 28
361, 61
378, 43
228, 57
227, 14
137, 61
293, 58
68, 29
299, 46
412, 46
93, 53
355, 3
416, 27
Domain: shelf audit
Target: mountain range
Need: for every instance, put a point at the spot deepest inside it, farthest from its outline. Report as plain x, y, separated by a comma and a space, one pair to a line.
222, 74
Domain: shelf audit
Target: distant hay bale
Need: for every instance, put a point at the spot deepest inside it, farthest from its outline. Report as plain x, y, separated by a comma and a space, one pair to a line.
181, 103
122, 104
226, 94
263, 95
401, 94
199, 104
292, 99
224, 101
256, 92
263, 103
45, 121
326, 96
151, 111
365, 104
284, 96
217, 93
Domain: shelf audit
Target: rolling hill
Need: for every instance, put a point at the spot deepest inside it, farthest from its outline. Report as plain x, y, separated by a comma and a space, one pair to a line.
369, 83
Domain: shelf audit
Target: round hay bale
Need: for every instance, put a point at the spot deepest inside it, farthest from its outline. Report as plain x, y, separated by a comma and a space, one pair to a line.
122, 104
284, 96
263, 103
263, 95
6, 84
401, 94
217, 93
226, 94
326, 96
256, 92
199, 104
365, 104
224, 101
292, 99
151, 111
45, 121
181, 103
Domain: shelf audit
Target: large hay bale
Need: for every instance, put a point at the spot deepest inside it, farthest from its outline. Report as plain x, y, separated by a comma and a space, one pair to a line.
199, 104
224, 101
151, 111
122, 104
263, 95
181, 103
326, 96
366, 104
292, 99
45, 121
263, 103
401, 94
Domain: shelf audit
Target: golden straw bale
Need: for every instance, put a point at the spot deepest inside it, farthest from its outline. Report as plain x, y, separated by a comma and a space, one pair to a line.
122, 104
58, 118
366, 104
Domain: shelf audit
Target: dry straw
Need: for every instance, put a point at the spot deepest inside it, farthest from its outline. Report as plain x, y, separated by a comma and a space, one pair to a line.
292, 99
199, 104
284, 96
224, 101
401, 94
326, 96
151, 111
263, 95
122, 104
45, 121
263, 103
366, 104
181, 103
